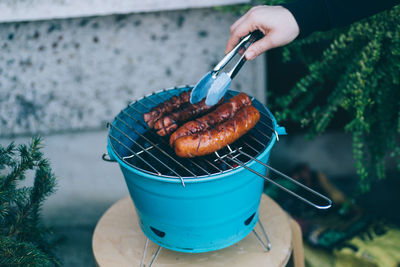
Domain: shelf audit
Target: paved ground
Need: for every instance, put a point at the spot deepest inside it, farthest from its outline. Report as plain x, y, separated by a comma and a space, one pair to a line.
87, 186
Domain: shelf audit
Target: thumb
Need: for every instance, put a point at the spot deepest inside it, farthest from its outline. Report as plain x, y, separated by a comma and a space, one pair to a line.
259, 47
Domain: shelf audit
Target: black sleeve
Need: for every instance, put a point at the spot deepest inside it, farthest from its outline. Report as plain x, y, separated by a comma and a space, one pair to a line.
322, 15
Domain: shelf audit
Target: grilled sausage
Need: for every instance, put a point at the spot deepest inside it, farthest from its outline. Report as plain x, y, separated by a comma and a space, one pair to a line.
168, 123
223, 134
167, 106
222, 113
167, 130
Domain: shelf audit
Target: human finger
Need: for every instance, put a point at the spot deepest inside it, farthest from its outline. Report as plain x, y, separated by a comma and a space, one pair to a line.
240, 31
259, 47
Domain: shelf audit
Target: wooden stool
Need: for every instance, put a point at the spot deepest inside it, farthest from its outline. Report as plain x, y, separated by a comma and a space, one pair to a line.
119, 241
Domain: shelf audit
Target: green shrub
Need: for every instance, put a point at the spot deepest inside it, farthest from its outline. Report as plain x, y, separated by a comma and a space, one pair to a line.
24, 241
363, 62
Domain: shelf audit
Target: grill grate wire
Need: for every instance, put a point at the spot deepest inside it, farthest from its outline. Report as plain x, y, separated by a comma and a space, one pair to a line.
141, 148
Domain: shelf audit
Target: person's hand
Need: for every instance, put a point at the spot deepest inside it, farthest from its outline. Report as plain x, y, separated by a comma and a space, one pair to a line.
275, 22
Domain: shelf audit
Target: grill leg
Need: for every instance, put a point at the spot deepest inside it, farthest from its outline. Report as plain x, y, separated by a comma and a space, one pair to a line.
265, 244
144, 254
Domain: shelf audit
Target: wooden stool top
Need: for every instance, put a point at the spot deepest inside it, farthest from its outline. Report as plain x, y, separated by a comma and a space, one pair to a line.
119, 241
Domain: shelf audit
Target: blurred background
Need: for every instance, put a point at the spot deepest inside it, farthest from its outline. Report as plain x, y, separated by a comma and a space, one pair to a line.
68, 67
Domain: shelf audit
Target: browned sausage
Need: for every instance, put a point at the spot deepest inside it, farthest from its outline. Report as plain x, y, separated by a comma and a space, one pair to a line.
220, 114
168, 123
166, 107
223, 134
167, 130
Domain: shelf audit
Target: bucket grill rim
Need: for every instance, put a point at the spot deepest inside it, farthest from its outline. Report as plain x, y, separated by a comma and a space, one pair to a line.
197, 178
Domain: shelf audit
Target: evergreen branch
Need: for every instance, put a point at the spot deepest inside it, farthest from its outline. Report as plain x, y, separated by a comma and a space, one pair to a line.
24, 241
6, 155
312, 82
16, 253
365, 60
29, 155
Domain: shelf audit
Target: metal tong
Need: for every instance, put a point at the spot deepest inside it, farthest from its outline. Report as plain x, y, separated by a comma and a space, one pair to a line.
214, 84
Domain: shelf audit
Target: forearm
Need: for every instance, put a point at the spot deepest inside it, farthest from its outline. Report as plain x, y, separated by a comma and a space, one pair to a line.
322, 15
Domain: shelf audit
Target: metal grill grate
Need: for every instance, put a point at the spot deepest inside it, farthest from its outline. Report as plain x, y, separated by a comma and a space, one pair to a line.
141, 148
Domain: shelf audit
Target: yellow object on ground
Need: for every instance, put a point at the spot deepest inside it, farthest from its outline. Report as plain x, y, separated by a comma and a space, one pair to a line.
380, 251
317, 257
364, 250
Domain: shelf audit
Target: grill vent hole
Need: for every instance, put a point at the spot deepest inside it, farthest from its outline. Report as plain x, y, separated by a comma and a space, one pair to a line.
248, 221
157, 232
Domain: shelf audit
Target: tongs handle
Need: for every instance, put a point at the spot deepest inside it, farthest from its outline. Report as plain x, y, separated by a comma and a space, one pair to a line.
256, 35
252, 37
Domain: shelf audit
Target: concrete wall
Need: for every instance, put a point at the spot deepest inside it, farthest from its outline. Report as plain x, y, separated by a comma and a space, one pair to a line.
24, 10
75, 74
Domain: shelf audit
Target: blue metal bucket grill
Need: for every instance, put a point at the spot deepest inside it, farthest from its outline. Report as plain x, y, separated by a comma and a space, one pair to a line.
218, 203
